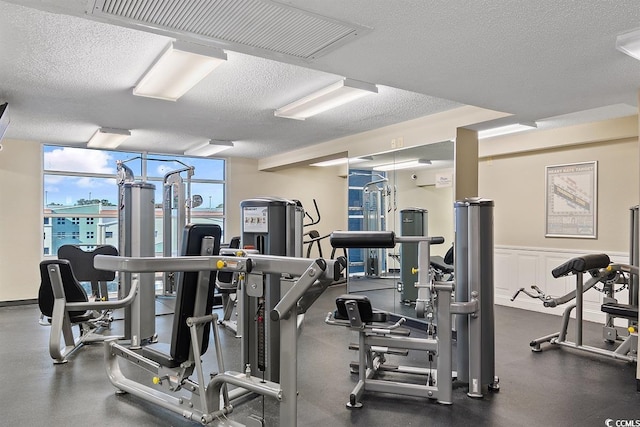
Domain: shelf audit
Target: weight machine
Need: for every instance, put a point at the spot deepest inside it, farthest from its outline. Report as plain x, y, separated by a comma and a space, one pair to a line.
136, 237
473, 306
207, 400
608, 278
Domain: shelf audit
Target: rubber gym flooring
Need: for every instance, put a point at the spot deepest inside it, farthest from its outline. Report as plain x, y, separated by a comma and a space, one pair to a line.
557, 387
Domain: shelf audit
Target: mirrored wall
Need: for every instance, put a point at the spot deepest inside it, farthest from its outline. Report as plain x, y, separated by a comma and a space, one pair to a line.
409, 192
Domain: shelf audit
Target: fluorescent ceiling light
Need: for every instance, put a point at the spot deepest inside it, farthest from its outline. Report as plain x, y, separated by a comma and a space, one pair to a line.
629, 43
178, 69
403, 165
504, 130
209, 148
325, 99
340, 161
108, 138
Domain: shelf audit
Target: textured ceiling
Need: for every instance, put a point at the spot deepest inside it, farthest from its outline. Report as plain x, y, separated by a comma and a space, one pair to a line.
548, 61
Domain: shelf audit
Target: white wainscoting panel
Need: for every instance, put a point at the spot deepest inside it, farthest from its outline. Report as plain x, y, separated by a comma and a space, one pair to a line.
520, 267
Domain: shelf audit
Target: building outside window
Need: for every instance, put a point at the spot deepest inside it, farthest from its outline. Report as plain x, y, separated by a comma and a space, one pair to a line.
81, 193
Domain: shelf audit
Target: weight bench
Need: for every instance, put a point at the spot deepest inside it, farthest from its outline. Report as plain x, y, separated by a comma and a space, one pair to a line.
600, 268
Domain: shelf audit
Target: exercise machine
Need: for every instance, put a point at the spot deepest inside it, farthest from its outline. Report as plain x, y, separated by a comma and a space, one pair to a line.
64, 303
374, 210
176, 213
202, 399
473, 306
634, 259
136, 231
608, 275
608, 278
413, 222
270, 226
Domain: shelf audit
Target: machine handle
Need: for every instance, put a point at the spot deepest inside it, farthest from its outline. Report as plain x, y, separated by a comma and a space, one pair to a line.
302, 285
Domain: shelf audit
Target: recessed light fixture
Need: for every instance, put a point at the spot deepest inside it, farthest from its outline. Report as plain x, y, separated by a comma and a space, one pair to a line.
108, 138
340, 161
180, 67
403, 165
209, 148
629, 43
504, 130
332, 96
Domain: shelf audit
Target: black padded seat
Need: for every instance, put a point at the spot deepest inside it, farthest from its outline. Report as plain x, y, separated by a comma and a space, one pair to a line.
439, 263
448, 257
178, 351
73, 291
620, 310
367, 314
160, 353
582, 264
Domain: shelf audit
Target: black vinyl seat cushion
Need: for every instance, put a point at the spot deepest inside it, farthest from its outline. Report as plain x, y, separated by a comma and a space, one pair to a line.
581, 264
178, 351
621, 310
367, 314
73, 291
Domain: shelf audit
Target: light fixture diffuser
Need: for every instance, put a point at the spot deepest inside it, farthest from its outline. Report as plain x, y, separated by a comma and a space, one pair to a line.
340, 161
504, 130
629, 43
209, 148
403, 165
181, 66
325, 99
108, 138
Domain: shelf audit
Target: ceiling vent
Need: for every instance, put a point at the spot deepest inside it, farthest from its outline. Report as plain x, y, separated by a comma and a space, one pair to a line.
260, 27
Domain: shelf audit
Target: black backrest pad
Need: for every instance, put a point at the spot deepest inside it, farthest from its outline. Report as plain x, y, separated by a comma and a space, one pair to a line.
364, 307
581, 264
187, 286
82, 262
72, 290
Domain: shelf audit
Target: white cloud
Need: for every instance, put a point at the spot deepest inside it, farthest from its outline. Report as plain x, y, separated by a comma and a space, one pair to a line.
79, 160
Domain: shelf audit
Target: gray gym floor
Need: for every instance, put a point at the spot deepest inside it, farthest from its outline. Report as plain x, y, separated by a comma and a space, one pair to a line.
557, 387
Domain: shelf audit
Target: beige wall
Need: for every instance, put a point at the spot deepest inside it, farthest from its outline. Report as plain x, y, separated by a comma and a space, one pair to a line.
245, 181
20, 220
517, 185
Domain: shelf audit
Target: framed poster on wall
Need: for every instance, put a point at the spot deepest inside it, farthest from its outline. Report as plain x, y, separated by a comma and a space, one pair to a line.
572, 200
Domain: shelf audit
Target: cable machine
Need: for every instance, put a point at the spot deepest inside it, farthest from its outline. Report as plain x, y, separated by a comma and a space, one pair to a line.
374, 209
136, 236
176, 213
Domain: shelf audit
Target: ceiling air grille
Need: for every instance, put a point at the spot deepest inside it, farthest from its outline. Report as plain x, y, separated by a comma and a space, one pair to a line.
246, 25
